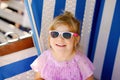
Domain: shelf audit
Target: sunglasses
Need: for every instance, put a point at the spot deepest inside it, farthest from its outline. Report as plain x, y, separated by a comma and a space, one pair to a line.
66, 35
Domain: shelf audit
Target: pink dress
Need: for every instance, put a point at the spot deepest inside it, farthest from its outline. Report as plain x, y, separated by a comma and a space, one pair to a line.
78, 68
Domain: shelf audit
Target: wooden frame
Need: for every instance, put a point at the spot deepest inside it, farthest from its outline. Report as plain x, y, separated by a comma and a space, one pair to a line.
16, 46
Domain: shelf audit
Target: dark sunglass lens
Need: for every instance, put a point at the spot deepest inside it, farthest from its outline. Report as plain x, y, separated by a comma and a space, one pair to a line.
54, 34
67, 35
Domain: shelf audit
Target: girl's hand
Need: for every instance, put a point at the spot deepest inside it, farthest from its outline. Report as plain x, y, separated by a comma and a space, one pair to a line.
90, 78
39, 79
37, 76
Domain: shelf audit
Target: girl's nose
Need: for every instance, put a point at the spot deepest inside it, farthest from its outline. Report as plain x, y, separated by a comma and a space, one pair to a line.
60, 37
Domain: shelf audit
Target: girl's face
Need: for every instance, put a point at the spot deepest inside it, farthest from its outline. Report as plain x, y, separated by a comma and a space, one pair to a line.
60, 44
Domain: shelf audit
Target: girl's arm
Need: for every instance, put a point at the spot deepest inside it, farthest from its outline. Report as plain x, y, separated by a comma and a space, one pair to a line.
37, 76
90, 78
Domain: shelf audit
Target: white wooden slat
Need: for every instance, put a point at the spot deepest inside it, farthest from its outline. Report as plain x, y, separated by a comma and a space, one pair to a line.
7, 28
14, 4
11, 16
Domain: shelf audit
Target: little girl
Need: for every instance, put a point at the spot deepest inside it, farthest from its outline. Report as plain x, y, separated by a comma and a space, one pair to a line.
63, 60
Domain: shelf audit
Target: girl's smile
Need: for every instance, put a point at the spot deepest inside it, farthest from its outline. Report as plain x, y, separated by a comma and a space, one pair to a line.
60, 45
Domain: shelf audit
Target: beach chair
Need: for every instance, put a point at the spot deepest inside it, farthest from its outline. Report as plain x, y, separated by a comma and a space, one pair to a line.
100, 35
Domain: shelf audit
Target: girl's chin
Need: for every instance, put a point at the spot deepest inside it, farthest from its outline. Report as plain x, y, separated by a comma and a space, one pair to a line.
59, 49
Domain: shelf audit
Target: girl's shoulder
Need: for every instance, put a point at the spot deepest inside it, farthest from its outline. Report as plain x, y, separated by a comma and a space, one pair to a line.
85, 65
45, 54
81, 56
84, 61
40, 61
44, 57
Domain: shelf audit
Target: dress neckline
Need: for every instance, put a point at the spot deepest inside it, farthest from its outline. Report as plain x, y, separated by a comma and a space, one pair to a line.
63, 63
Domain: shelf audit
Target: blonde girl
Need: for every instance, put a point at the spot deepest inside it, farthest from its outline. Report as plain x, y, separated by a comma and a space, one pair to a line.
63, 60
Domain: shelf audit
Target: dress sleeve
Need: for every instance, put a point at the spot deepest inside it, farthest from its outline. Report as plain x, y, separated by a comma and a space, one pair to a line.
86, 67
39, 63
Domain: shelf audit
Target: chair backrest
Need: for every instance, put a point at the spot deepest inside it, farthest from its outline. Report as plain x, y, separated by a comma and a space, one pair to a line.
100, 31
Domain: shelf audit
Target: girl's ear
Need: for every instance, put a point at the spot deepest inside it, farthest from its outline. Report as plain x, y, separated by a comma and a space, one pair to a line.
78, 39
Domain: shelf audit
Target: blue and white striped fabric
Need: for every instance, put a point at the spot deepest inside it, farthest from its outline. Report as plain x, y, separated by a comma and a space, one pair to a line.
104, 42
16, 63
104, 48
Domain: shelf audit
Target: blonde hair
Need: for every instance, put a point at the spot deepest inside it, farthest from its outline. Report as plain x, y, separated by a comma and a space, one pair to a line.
68, 19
